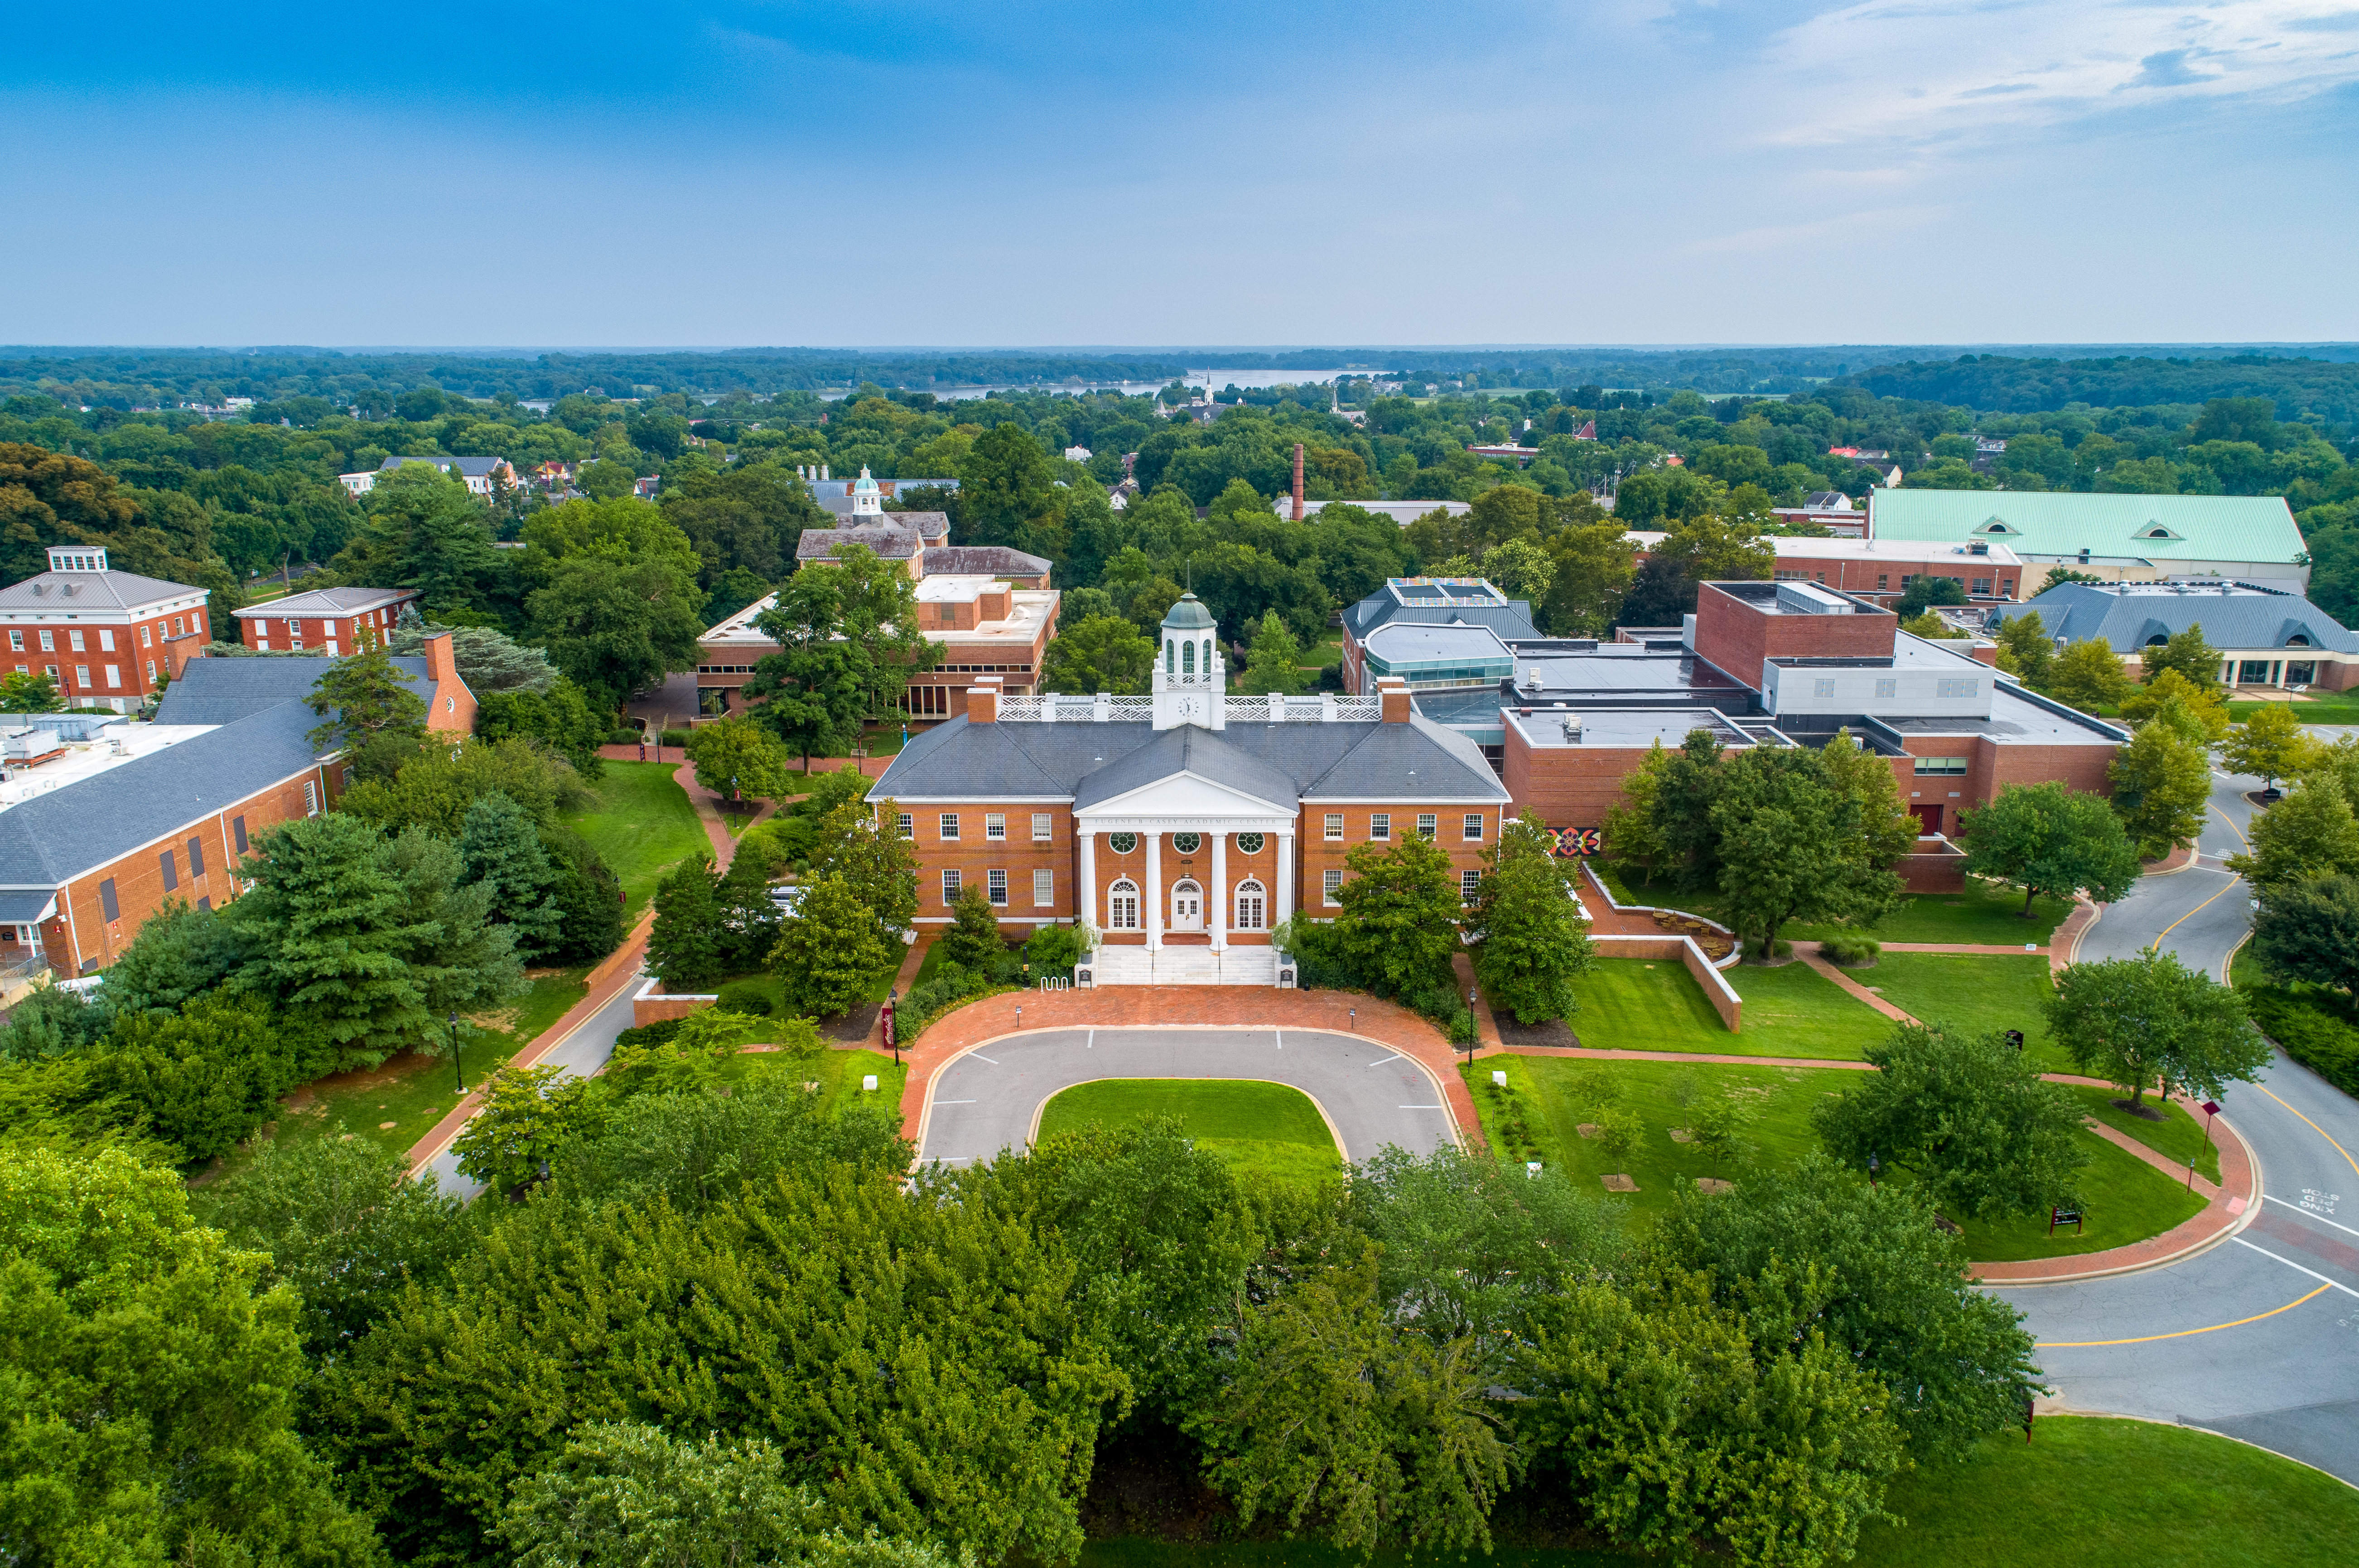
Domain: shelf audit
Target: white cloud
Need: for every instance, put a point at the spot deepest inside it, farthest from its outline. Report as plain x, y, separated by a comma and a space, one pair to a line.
1944, 70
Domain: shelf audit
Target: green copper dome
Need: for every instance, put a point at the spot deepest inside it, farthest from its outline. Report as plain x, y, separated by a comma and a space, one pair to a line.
1188, 615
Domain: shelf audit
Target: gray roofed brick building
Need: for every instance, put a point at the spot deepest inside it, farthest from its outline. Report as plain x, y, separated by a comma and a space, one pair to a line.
1429, 601
2268, 636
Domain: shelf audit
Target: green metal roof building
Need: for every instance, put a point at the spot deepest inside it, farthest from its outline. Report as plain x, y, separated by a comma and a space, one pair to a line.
2133, 538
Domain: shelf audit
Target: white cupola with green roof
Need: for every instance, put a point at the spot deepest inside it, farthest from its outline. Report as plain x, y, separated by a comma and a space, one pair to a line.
1190, 672
867, 499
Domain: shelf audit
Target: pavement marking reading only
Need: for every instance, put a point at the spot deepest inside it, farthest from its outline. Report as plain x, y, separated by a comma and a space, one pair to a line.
2297, 1208
2335, 1284
2182, 1334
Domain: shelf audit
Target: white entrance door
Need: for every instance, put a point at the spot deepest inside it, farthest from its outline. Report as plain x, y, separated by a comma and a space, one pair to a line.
1187, 907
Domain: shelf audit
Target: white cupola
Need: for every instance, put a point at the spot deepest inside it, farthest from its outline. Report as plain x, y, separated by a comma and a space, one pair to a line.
867, 500
1190, 672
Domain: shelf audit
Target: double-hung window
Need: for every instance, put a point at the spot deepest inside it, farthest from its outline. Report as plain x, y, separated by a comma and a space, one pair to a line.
950, 887
996, 883
1425, 825
1470, 883
1043, 827
1380, 826
950, 827
1472, 832
1335, 826
1044, 890
995, 825
1331, 883
906, 825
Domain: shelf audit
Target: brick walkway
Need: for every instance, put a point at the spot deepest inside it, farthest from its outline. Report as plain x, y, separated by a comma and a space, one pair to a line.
1189, 1006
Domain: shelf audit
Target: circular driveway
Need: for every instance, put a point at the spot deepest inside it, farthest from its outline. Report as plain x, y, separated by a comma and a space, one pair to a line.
989, 1098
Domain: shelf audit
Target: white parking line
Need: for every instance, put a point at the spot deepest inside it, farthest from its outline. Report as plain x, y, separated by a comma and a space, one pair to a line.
1417, 1107
2297, 1208
2296, 1268
1396, 1056
956, 1101
981, 1057
1281, 1038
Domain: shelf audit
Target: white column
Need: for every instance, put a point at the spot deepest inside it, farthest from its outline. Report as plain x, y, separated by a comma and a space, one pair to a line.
1220, 899
1154, 891
1284, 877
1088, 903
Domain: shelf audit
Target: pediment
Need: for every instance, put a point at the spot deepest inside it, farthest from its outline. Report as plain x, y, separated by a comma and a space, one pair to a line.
1186, 794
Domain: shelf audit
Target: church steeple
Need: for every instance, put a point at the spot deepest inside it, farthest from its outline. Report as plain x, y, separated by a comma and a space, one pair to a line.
1190, 672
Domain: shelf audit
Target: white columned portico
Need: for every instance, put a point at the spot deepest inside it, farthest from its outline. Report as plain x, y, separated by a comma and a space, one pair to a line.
1154, 891
1284, 877
1087, 906
1220, 899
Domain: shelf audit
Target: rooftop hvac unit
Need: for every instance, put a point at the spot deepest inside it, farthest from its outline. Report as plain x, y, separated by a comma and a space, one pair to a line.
1573, 729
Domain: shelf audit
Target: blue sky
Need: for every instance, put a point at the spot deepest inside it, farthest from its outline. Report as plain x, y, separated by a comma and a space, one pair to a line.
775, 172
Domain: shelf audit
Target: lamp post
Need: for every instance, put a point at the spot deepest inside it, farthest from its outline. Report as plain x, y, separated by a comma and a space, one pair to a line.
892, 1035
1472, 997
1870, 1169
457, 1070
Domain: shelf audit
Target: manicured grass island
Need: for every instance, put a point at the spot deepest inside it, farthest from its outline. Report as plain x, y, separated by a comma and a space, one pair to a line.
1984, 914
1977, 992
1270, 1129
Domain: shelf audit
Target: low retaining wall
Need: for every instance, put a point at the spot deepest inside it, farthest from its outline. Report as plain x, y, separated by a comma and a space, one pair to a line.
1735, 950
1717, 988
1938, 867
652, 1003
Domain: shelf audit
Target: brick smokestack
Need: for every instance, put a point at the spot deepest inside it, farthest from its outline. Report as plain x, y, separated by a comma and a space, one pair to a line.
1298, 482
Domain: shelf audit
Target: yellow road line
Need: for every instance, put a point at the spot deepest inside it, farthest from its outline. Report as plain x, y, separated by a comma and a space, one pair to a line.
2313, 1126
2193, 913
2232, 826
2182, 1334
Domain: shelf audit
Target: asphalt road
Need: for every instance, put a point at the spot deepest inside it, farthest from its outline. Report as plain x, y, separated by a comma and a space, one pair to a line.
990, 1098
2258, 1336
581, 1053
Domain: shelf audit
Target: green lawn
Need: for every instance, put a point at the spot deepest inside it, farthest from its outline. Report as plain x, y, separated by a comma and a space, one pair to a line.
1538, 1115
1985, 913
1630, 1004
1266, 1128
2085, 1491
2123, 1198
1977, 992
2181, 1138
837, 1072
2324, 708
413, 1092
642, 825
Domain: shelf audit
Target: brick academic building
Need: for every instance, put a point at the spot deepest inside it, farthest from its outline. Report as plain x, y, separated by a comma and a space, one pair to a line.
1183, 825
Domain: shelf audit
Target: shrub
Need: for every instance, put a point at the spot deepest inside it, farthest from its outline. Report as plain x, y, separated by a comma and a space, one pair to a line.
2311, 1035
749, 996
676, 737
657, 1033
1054, 950
623, 737
1850, 950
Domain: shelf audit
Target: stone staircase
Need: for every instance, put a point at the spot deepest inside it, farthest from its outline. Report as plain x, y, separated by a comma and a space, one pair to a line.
1184, 966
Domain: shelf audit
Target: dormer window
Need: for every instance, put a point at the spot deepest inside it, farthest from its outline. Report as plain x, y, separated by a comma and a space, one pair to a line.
1997, 525
2156, 531
2297, 640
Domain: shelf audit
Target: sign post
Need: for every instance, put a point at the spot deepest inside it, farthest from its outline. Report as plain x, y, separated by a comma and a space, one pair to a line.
2211, 1109
892, 1040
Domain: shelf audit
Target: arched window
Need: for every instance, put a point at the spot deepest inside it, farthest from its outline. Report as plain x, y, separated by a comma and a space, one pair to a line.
1253, 906
1208, 656
1170, 657
2297, 640
1122, 906
1187, 659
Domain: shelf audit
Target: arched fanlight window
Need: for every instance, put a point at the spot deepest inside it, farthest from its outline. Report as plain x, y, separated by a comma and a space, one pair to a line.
1122, 906
1170, 657
1253, 906
1187, 659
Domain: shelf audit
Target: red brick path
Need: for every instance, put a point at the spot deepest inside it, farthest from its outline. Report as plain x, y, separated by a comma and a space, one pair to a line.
1225, 1006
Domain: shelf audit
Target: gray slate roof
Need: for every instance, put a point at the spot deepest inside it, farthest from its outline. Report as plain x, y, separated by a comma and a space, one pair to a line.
325, 601
982, 561
2131, 615
473, 467
90, 591
226, 690
1511, 621
1282, 762
899, 537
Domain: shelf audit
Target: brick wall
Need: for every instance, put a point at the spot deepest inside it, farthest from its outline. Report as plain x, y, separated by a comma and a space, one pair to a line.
1568, 786
974, 856
1737, 637
81, 925
1321, 854
265, 630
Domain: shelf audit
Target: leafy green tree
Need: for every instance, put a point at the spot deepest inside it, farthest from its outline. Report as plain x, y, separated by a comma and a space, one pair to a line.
500, 848
1530, 940
1632, 841
29, 695
2309, 931
2309, 833
691, 1060
344, 1224
423, 530
1930, 627
972, 940
182, 953
205, 1076
1592, 568
327, 928
876, 863
563, 719
2195, 659
1399, 926
526, 1116
48, 1022
589, 898
2168, 695
1983, 1133
831, 951
814, 696
2025, 640
2162, 786
1683, 1424
684, 945
737, 757
460, 958
1006, 488
2271, 744
491, 663
151, 1381
1956, 1363
2135, 1020
2088, 675
1101, 653
749, 917
361, 697
1274, 662
615, 625
2044, 838
1791, 847
1334, 1416
1887, 830
1925, 591
435, 789
1682, 817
